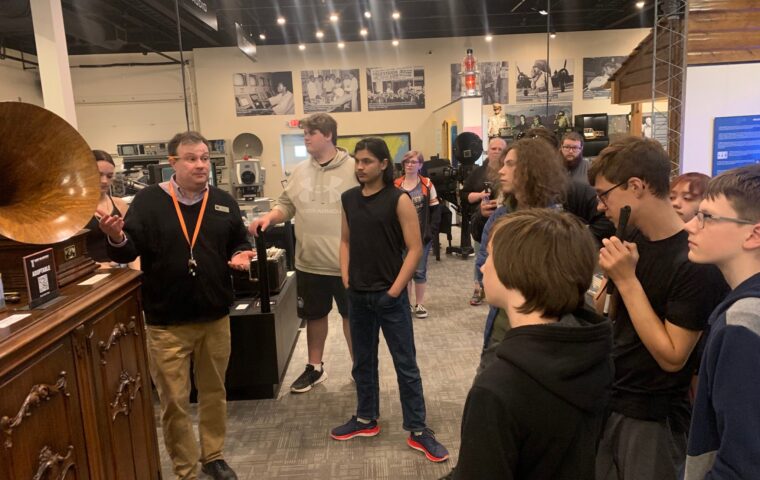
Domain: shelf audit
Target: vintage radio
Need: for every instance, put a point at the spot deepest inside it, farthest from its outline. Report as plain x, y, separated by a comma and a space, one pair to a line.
246, 284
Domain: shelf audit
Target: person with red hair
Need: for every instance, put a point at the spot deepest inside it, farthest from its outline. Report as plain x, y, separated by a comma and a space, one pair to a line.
686, 191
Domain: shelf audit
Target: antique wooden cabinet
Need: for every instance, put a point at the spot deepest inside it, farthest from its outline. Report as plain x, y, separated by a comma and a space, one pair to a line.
75, 398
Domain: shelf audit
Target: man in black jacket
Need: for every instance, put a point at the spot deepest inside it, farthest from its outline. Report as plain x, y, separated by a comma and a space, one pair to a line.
187, 234
536, 412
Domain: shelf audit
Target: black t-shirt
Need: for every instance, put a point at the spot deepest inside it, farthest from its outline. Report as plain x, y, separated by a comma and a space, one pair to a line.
376, 241
682, 292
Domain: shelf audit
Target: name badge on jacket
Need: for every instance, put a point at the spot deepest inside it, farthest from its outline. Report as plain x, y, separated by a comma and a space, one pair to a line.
222, 208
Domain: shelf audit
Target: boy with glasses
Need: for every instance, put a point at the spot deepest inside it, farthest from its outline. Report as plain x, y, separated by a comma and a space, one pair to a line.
723, 441
658, 314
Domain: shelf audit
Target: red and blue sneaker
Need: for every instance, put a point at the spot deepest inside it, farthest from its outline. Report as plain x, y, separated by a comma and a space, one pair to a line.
426, 443
355, 428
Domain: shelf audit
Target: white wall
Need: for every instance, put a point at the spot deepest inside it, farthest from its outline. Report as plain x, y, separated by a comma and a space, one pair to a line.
715, 91
17, 84
127, 104
131, 104
216, 106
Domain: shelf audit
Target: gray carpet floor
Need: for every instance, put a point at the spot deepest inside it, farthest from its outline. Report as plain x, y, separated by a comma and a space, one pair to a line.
288, 437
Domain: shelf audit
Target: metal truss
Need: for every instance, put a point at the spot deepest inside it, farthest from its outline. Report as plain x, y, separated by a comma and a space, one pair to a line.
669, 51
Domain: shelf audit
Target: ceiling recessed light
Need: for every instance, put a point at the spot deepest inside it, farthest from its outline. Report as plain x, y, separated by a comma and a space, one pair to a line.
302, 47
367, 14
396, 15
489, 38
363, 32
552, 35
640, 5
320, 34
333, 17
280, 20
395, 43
262, 36
543, 12
341, 45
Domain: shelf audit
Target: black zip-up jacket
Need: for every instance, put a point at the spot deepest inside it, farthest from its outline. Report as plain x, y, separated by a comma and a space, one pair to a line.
536, 413
170, 294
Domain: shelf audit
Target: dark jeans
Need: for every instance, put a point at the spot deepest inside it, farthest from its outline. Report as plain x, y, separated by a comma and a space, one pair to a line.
368, 313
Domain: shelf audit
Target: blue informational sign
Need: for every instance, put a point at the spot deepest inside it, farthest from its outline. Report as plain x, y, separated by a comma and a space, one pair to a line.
736, 142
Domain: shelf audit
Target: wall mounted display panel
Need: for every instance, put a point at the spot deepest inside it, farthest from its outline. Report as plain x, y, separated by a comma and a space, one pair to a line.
398, 143
396, 88
736, 142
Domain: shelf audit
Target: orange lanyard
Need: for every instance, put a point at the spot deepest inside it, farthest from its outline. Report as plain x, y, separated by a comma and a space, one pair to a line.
182, 219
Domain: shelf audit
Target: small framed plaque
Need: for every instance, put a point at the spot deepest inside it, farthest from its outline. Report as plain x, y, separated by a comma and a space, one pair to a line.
40, 276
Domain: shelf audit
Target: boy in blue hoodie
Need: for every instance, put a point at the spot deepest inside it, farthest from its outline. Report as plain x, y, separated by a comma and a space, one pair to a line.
724, 441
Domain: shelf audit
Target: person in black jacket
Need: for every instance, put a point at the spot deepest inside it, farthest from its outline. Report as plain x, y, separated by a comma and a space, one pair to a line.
480, 202
537, 411
187, 233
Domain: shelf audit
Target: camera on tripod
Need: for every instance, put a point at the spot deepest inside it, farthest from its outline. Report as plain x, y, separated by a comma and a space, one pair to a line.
448, 177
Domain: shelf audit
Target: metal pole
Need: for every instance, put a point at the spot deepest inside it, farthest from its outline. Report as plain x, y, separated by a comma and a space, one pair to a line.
182, 64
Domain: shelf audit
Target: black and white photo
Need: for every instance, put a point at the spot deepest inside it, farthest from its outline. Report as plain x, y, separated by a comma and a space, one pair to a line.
263, 93
330, 90
494, 82
596, 72
542, 79
395, 88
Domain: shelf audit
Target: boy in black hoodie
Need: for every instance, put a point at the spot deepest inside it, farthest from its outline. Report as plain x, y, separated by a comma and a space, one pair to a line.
536, 412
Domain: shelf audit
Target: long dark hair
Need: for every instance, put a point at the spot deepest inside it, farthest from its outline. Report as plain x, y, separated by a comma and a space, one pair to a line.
379, 149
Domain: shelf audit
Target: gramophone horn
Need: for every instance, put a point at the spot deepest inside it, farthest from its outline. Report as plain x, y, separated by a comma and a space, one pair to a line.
49, 181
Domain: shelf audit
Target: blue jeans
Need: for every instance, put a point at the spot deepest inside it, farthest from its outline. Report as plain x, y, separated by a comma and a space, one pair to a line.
368, 313
420, 274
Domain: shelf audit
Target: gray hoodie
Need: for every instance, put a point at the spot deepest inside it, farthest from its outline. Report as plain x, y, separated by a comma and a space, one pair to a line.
312, 196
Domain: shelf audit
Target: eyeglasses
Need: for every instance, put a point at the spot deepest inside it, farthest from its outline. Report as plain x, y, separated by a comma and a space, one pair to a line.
571, 148
603, 196
702, 216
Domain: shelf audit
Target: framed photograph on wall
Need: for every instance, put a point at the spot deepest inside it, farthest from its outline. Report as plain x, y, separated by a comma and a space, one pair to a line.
398, 143
331, 90
395, 88
555, 79
263, 93
596, 72
494, 82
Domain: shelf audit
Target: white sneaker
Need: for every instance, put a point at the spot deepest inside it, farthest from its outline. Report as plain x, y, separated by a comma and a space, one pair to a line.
419, 311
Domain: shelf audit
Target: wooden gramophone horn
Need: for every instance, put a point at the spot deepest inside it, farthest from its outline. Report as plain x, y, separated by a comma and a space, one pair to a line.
49, 181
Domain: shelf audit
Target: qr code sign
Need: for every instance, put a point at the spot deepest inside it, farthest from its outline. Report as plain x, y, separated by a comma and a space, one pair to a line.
43, 283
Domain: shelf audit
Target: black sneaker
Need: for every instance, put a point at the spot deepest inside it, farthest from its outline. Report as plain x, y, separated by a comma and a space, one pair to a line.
219, 470
355, 428
308, 379
427, 444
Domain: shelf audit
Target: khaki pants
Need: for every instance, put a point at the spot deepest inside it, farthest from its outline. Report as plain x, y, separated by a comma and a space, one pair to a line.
170, 349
